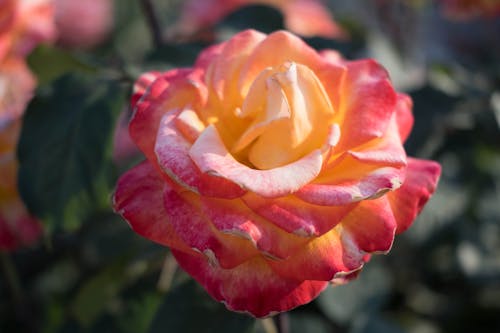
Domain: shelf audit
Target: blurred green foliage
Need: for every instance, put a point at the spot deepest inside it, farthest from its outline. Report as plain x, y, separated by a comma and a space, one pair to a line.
93, 274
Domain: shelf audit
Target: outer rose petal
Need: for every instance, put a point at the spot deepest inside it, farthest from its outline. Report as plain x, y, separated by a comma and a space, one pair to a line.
141, 85
296, 216
323, 258
421, 181
234, 218
371, 225
251, 287
371, 185
143, 187
199, 234
369, 101
404, 115
150, 107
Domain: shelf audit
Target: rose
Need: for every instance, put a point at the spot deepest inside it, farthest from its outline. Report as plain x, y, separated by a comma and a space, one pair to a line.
272, 169
23, 24
304, 17
83, 24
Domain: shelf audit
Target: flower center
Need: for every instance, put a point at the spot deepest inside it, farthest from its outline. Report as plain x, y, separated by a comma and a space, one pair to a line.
289, 116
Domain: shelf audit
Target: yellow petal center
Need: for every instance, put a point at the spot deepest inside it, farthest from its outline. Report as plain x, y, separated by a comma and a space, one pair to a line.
289, 114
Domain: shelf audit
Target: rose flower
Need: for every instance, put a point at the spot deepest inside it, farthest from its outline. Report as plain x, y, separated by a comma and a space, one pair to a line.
83, 24
23, 25
272, 170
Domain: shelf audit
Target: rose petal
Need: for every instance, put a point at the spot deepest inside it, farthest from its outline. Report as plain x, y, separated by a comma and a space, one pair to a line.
343, 192
384, 151
404, 116
251, 287
233, 217
323, 258
371, 225
421, 181
196, 230
332, 74
229, 62
139, 200
369, 103
211, 156
296, 216
278, 48
309, 113
189, 124
172, 155
173, 87
141, 85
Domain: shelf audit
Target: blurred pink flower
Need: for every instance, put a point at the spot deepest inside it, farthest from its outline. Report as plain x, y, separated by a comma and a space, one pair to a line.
304, 17
84, 24
23, 25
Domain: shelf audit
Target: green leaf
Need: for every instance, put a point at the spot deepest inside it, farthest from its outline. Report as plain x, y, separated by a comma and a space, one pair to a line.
188, 308
97, 293
139, 313
65, 150
48, 63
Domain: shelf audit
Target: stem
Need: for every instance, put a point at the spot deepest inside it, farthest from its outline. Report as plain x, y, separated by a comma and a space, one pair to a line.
12, 278
282, 321
268, 325
152, 21
167, 273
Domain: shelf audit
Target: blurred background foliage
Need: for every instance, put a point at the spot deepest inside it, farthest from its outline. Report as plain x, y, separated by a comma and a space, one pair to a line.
91, 273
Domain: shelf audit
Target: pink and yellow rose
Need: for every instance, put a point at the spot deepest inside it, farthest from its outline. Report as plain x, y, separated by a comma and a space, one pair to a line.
304, 17
272, 170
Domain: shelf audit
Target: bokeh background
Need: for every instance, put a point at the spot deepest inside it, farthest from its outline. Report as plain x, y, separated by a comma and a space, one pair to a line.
91, 273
